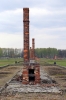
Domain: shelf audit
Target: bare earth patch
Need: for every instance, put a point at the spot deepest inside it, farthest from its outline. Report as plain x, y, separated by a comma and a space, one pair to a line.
7, 73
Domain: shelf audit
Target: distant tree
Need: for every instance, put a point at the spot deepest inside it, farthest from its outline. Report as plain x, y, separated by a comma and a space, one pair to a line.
46, 52
1, 52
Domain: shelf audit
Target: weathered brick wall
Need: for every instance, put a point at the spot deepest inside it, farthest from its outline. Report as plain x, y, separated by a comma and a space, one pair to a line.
25, 73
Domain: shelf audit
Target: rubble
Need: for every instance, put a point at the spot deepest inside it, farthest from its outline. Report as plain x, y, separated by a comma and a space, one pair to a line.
43, 87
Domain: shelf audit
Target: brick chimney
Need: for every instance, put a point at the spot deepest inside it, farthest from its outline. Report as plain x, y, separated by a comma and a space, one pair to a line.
31, 70
26, 33
33, 48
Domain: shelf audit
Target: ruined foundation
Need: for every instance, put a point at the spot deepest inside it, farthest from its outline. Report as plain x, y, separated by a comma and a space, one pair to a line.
46, 85
31, 74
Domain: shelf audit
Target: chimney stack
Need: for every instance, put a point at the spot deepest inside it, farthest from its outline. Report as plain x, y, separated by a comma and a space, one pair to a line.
31, 70
26, 33
33, 48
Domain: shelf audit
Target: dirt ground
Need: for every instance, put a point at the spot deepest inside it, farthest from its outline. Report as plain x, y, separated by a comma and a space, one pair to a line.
7, 73
55, 72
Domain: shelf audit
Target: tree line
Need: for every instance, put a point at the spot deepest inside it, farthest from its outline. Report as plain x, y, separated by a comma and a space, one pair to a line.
50, 53
10, 52
39, 52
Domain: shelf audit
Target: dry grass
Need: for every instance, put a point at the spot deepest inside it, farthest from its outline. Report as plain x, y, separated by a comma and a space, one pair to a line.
7, 73
34, 96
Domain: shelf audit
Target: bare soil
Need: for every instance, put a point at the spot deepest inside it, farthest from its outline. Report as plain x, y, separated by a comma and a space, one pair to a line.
7, 73
55, 72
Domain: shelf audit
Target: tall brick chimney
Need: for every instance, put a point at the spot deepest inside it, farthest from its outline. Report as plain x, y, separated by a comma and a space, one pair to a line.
26, 33
33, 48
30, 53
31, 70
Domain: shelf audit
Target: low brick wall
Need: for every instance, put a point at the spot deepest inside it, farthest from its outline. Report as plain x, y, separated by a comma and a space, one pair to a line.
35, 75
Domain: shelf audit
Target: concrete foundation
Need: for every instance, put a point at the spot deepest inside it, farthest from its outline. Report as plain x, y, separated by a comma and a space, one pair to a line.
46, 85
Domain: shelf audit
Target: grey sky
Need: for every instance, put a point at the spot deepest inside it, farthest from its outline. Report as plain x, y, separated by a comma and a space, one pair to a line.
47, 23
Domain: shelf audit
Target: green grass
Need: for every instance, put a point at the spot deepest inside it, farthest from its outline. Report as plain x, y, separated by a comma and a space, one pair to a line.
61, 62
9, 61
42, 61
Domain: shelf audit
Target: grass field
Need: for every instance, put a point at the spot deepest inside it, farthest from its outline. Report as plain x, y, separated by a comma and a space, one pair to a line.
9, 61
42, 61
61, 62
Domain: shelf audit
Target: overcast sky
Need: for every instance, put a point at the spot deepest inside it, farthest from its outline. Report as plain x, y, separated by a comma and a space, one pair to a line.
47, 23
